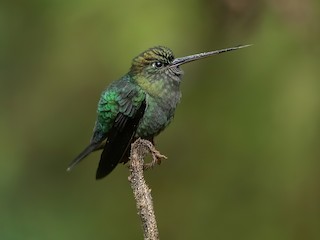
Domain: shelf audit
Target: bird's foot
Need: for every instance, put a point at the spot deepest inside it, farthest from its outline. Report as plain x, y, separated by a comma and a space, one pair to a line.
156, 157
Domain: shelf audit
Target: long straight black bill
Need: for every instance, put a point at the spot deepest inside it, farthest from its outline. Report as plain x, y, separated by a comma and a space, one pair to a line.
183, 60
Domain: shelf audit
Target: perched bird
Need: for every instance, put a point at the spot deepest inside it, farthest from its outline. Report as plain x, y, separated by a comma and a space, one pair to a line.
139, 105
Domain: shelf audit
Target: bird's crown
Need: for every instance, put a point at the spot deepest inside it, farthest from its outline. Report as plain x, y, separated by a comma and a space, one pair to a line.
159, 56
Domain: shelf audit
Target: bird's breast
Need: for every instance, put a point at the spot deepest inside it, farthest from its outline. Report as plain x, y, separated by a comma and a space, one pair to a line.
158, 114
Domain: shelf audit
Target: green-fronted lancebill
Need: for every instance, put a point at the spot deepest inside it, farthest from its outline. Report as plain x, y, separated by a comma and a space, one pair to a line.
139, 105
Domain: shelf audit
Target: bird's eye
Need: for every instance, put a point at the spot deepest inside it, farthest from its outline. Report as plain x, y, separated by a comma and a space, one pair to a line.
157, 64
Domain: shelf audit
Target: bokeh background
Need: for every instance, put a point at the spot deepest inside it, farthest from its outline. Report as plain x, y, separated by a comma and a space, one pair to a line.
244, 145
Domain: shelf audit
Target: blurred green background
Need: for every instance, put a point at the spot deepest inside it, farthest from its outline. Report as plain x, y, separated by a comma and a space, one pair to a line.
243, 148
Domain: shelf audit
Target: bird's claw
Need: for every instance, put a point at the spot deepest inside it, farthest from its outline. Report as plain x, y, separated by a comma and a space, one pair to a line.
156, 157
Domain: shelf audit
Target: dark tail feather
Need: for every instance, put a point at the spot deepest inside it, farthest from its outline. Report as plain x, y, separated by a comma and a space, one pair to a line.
111, 156
92, 147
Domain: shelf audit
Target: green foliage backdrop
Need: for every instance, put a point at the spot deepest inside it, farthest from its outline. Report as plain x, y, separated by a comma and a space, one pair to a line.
243, 148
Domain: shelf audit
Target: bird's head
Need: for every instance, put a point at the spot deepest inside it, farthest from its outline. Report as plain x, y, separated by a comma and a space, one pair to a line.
157, 67
160, 61
155, 64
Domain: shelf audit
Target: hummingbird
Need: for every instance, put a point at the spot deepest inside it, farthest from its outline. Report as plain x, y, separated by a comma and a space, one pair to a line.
140, 104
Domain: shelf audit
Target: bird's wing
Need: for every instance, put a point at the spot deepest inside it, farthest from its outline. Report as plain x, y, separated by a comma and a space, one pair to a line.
108, 109
130, 109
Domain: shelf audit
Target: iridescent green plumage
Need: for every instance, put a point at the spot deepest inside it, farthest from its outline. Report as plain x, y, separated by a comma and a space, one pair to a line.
140, 104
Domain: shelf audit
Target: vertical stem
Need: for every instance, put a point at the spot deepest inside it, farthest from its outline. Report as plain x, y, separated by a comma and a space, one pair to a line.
142, 193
